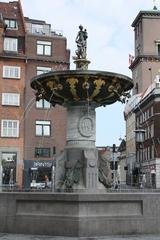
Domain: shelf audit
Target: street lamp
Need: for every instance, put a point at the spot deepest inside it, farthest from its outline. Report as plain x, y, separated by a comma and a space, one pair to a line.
114, 165
139, 137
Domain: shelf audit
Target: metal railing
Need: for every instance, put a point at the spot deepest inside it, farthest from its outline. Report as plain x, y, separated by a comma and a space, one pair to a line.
120, 189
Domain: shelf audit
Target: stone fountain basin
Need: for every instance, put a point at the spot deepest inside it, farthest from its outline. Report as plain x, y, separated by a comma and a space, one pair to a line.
73, 86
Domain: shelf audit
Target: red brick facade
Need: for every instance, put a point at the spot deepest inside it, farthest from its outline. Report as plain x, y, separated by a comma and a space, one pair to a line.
27, 60
145, 166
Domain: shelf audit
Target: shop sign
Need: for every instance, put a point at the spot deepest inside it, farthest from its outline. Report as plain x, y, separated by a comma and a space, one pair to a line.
45, 164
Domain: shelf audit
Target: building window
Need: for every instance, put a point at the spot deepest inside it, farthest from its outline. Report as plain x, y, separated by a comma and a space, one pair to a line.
9, 128
11, 24
37, 29
11, 72
9, 160
145, 134
143, 116
11, 44
11, 99
43, 128
151, 111
138, 156
149, 153
54, 150
44, 48
158, 49
137, 121
147, 113
42, 103
42, 152
152, 151
41, 70
140, 118
9, 156
152, 131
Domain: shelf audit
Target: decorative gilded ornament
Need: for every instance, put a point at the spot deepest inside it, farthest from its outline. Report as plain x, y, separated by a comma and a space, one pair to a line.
53, 85
73, 82
99, 83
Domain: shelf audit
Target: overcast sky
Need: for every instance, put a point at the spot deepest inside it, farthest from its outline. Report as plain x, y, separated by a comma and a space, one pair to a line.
110, 40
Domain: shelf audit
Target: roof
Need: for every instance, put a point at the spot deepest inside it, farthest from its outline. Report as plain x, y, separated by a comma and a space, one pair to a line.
122, 146
149, 13
137, 99
12, 10
132, 102
35, 21
9, 10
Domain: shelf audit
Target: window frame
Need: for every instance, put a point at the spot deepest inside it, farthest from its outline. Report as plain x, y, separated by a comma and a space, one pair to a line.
42, 127
10, 46
13, 153
11, 129
10, 101
41, 70
54, 150
37, 28
42, 47
11, 72
9, 24
42, 104
40, 152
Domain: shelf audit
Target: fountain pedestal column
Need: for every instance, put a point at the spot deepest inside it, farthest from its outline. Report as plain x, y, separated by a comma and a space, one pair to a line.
77, 167
81, 126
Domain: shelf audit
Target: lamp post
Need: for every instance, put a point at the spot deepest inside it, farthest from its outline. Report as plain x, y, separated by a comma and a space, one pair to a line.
114, 165
139, 137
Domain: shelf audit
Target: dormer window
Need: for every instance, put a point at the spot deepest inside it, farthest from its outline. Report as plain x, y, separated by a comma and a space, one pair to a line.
11, 24
37, 29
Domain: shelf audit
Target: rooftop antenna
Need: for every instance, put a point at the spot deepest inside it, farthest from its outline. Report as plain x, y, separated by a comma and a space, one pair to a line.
154, 5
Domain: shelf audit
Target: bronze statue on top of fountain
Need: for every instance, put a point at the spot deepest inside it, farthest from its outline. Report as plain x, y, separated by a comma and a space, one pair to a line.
81, 52
81, 41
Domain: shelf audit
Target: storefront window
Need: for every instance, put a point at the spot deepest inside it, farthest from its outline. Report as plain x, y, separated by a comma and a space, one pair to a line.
41, 178
9, 168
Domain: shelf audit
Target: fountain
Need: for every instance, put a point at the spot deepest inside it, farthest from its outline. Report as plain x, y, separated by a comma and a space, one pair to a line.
80, 206
81, 91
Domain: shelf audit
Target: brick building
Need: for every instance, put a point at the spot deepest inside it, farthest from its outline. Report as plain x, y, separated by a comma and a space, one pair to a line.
144, 69
31, 132
148, 151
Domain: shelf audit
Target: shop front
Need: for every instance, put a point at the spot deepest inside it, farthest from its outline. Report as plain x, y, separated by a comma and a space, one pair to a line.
38, 174
8, 168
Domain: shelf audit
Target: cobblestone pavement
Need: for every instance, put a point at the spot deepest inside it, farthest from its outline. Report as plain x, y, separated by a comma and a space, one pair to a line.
5, 236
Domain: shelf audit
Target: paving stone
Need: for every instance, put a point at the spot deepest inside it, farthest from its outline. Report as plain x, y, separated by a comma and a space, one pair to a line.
5, 236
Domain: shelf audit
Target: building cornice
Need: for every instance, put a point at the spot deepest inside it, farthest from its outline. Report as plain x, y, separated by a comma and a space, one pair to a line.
46, 60
151, 96
146, 14
12, 57
25, 58
144, 58
50, 36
